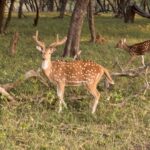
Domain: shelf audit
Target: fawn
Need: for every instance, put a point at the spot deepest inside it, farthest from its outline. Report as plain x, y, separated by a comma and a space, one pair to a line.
71, 73
135, 49
100, 39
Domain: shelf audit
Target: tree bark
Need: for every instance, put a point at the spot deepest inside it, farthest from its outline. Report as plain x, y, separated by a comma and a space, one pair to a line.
13, 44
112, 6
73, 37
100, 4
37, 14
91, 20
27, 7
62, 8
57, 5
2, 9
31, 4
50, 5
21, 2
9, 15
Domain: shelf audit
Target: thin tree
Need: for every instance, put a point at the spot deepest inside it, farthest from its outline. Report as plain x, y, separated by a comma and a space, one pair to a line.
2, 9
62, 8
20, 12
37, 14
9, 15
50, 5
73, 37
101, 5
112, 6
91, 20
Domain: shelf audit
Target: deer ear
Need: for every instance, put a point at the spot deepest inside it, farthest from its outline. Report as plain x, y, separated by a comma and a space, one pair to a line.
121, 41
39, 48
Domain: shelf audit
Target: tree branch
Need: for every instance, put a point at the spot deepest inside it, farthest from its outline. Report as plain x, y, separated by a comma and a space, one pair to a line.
132, 72
6, 94
8, 86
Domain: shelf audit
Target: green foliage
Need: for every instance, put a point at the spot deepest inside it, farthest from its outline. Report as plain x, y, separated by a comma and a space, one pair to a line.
33, 122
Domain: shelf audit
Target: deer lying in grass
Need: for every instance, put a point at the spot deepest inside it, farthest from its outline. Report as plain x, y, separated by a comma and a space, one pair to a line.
72, 73
138, 49
100, 39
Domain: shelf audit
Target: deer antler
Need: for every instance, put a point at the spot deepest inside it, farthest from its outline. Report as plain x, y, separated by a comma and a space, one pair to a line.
39, 43
58, 42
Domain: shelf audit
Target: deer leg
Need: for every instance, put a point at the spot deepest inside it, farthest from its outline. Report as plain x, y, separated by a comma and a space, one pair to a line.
143, 60
60, 93
130, 60
93, 90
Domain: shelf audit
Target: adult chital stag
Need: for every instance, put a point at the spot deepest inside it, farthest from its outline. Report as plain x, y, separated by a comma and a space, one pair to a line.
135, 49
72, 73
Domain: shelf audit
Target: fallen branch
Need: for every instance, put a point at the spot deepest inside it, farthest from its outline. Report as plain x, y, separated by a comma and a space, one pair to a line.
142, 70
132, 72
6, 94
13, 43
8, 86
119, 105
27, 75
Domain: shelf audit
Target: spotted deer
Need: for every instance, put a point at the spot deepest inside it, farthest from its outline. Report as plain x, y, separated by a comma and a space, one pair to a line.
138, 49
70, 73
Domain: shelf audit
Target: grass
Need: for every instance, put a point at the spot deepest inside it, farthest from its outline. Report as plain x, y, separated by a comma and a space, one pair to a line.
34, 124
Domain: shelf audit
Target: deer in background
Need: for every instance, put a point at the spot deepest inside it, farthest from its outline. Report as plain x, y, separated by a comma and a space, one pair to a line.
138, 49
100, 39
71, 73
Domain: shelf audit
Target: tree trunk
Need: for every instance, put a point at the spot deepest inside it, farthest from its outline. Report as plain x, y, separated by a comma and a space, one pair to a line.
20, 9
62, 8
50, 5
144, 4
9, 14
104, 5
91, 20
37, 14
100, 4
57, 5
112, 6
31, 4
2, 9
27, 7
120, 5
73, 38
13, 44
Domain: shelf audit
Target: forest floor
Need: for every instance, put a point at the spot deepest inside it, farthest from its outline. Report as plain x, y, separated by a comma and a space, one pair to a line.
122, 119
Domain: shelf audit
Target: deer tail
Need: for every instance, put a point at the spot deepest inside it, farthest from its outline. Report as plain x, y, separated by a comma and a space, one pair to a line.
109, 79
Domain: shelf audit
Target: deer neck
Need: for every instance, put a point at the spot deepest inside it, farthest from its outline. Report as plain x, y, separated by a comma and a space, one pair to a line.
47, 66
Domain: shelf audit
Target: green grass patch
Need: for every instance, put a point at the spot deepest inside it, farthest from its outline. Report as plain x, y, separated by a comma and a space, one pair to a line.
33, 122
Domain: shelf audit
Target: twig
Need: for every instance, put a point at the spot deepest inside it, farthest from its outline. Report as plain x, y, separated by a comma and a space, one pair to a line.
5, 93
146, 80
27, 75
13, 43
132, 72
8, 86
120, 105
